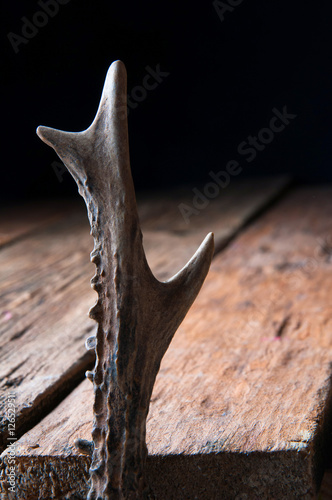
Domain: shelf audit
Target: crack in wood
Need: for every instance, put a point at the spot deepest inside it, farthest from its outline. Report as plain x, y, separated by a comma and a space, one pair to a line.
283, 326
20, 333
14, 369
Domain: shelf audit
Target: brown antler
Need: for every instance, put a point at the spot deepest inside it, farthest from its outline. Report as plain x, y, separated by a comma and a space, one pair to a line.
137, 315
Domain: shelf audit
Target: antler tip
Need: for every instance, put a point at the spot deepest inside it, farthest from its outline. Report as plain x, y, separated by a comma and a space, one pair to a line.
49, 135
117, 68
40, 131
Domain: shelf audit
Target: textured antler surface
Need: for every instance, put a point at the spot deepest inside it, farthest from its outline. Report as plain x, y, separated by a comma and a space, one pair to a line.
137, 315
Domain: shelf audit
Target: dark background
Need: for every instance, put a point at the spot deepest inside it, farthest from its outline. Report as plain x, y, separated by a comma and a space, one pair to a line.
224, 79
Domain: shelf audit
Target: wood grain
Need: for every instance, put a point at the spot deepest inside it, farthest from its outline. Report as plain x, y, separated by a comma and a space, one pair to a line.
242, 404
46, 294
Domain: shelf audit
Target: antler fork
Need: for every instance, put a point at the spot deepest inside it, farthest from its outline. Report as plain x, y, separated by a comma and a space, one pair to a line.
137, 315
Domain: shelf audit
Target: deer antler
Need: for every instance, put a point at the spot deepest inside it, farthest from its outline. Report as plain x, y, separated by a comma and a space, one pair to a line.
137, 315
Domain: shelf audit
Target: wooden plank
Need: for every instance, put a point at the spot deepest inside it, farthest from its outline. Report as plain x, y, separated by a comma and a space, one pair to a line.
45, 296
20, 220
39, 302
242, 403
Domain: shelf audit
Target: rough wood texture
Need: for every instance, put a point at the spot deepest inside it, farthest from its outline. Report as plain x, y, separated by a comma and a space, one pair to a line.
45, 296
242, 402
137, 315
42, 354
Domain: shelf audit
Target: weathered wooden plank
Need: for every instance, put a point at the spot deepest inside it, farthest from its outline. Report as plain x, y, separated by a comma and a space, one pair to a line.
45, 292
242, 403
39, 301
19, 221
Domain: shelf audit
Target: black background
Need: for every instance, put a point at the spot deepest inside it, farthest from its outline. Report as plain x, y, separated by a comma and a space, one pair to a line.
224, 79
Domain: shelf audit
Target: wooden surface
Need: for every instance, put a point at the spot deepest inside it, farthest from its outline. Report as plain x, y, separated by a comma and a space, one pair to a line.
165, 231
241, 407
20, 220
46, 292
